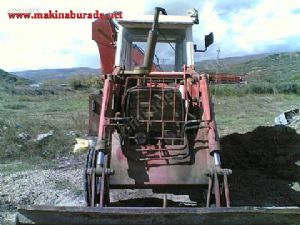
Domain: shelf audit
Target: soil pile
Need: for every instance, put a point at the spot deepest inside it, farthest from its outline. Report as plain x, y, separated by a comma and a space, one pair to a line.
264, 164
270, 150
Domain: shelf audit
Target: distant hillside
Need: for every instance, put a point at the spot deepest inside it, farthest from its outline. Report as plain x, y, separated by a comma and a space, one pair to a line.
207, 64
279, 67
56, 74
9, 78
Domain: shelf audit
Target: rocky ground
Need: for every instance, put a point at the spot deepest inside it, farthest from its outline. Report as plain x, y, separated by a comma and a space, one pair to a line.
61, 185
56, 186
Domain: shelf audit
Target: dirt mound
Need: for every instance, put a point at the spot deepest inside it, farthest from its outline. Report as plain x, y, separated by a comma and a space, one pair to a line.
270, 150
263, 163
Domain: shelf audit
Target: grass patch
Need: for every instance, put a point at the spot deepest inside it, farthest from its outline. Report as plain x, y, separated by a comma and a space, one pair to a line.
19, 140
24, 116
16, 166
245, 113
255, 88
238, 108
16, 106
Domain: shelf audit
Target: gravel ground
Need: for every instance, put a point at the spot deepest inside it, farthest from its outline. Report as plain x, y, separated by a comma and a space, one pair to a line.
60, 186
63, 185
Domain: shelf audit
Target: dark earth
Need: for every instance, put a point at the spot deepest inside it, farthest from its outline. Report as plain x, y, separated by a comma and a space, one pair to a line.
263, 164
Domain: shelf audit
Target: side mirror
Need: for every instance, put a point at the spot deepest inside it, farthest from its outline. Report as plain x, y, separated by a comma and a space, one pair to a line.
209, 39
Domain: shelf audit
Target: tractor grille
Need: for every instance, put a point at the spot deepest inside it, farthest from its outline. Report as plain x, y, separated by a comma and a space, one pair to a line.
158, 113
158, 118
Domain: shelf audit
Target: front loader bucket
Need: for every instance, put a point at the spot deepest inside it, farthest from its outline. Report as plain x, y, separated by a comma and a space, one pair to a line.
47, 215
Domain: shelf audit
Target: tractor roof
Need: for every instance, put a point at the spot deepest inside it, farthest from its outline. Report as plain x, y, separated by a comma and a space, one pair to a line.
165, 21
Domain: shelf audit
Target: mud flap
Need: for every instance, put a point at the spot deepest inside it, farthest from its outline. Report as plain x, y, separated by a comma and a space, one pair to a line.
47, 215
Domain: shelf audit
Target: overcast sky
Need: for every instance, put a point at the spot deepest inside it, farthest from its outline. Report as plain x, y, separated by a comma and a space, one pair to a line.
240, 27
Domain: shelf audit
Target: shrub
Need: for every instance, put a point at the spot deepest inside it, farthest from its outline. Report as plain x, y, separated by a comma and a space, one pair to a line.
75, 83
288, 88
261, 88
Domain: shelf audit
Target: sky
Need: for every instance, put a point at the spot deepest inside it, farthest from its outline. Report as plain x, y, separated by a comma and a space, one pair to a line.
242, 27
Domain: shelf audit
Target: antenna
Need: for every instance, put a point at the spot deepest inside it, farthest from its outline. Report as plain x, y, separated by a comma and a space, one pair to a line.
218, 59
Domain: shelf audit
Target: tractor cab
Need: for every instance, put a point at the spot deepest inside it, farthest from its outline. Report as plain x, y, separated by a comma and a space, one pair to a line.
174, 42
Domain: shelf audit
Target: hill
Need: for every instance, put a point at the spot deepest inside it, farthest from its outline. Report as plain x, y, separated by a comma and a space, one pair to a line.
272, 68
208, 64
56, 74
9, 78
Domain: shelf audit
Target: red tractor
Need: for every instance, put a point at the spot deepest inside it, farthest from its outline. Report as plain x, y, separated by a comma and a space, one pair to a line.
155, 129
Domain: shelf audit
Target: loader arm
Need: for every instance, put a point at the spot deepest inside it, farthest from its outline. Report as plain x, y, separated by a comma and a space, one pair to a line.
104, 34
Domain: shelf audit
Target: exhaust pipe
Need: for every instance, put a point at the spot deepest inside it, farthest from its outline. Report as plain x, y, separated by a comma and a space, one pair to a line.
152, 39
